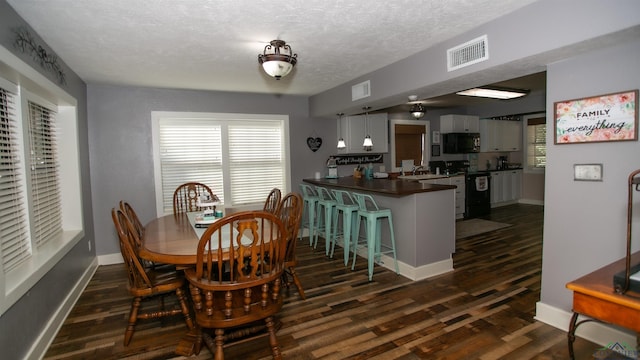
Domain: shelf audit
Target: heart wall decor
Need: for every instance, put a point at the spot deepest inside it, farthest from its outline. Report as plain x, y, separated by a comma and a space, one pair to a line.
314, 143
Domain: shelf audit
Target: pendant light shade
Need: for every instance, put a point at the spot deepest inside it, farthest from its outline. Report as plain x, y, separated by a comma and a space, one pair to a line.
367, 144
341, 143
277, 60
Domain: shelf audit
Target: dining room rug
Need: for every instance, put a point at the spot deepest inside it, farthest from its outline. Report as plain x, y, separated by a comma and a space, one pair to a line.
466, 228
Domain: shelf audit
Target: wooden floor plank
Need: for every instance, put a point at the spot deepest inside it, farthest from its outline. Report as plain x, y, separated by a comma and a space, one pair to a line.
483, 309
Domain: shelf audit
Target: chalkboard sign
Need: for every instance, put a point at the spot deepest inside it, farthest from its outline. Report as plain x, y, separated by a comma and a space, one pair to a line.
358, 159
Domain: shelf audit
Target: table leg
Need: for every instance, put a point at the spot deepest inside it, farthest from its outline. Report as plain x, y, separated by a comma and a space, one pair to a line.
571, 335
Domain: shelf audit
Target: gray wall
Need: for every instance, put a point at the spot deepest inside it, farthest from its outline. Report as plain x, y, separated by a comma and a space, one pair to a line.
121, 144
120, 152
21, 325
585, 222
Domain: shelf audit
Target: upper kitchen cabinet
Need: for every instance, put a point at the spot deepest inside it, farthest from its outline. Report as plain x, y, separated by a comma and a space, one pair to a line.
500, 135
459, 123
354, 129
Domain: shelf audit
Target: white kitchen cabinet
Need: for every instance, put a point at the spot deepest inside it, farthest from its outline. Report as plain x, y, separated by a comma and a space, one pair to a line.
506, 187
353, 131
500, 135
495, 186
459, 123
459, 182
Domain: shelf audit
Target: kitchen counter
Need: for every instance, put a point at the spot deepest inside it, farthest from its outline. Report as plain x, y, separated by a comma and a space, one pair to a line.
423, 221
391, 187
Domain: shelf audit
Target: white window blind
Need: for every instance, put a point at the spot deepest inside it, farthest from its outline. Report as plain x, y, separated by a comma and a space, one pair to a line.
190, 151
45, 187
536, 145
241, 157
16, 246
255, 160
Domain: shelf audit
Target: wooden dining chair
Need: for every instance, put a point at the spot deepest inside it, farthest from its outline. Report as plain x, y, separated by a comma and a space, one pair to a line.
130, 213
145, 283
290, 212
235, 285
186, 196
272, 201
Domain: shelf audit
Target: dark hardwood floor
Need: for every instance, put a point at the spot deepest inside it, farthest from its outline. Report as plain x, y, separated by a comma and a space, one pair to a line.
483, 309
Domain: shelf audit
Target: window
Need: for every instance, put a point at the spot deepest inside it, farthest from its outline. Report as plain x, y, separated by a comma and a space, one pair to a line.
536, 142
241, 157
40, 184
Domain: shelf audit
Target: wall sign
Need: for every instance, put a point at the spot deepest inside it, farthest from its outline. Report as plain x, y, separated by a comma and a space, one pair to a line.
314, 143
610, 117
358, 159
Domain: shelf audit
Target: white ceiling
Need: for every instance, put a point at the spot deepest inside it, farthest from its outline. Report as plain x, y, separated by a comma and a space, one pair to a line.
214, 45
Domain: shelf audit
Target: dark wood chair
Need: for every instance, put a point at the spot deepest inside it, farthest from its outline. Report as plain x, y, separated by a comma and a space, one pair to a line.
128, 210
186, 196
235, 288
272, 201
290, 212
147, 283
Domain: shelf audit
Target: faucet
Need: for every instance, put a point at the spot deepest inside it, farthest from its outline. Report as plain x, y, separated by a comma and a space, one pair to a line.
416, 168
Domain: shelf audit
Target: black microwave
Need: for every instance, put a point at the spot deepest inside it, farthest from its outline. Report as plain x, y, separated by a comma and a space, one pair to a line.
461, 143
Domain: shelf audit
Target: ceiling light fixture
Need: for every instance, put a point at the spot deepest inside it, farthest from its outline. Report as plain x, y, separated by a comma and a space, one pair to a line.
417, 110
367, 144
341, 144
494, 93
277, 60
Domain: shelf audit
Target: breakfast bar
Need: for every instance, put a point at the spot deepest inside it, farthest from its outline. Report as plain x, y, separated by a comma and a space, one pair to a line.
423, 220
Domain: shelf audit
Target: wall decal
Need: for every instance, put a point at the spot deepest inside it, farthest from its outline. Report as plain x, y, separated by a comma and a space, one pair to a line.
27, 44
314, 143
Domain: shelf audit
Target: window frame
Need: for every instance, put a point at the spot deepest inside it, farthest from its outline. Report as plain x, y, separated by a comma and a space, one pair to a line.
225, 120
32, 85
528, 168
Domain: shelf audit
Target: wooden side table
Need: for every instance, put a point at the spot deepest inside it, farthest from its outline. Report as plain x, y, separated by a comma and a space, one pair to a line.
594, 296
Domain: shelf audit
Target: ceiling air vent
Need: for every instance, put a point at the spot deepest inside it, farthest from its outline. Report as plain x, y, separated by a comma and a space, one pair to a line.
469, 53
361, 91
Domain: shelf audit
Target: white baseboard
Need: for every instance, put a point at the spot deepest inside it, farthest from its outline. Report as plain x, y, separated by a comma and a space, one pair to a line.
48, 334
410, 272
531, 202
110, 259
599, 333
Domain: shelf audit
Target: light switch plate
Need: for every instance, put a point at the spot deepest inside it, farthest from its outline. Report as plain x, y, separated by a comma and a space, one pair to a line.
587, 172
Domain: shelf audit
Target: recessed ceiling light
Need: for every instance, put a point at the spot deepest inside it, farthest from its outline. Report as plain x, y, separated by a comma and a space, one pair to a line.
494, 93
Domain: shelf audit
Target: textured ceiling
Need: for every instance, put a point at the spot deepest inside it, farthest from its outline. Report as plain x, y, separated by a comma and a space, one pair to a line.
213, 45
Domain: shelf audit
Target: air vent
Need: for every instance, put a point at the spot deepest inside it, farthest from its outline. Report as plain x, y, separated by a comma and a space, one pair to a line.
469, 53
361, 91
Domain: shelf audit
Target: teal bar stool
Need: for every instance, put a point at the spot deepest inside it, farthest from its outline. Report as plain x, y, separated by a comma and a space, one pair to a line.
347, 206
325, 209
310, 202
373, 216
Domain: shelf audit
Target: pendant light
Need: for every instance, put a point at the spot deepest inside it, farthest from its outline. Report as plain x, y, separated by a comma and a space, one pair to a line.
341, 144
367, 144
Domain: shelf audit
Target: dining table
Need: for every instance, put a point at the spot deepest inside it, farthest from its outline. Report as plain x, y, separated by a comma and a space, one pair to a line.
173, 239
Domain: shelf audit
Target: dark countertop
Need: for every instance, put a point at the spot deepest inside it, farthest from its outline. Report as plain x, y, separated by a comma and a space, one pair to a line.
395, 187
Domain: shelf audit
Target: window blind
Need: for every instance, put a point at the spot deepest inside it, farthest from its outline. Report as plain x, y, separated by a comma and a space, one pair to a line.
255, 160
536, 145
190, 151
240, 157
14, 234
45, 186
